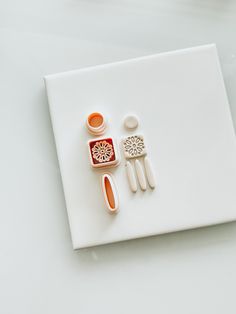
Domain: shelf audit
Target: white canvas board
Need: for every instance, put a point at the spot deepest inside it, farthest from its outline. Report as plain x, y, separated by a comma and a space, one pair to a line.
185, 118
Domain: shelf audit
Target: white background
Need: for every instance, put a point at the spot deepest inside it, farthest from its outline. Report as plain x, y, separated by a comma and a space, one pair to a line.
187, 272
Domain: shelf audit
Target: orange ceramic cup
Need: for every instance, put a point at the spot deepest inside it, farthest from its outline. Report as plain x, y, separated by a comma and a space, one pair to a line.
96, 123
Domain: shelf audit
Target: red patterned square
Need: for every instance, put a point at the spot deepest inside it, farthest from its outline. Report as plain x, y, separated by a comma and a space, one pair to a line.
102, 152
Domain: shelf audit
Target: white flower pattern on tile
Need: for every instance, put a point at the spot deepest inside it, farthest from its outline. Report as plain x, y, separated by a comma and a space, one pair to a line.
134, 146
102, 151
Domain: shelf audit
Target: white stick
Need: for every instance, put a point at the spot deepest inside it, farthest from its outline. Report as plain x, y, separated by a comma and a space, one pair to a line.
149, 173
131, 177
140, 175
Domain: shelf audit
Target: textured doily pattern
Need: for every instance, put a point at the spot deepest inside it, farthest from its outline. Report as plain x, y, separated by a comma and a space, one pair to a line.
102, 151
134, 146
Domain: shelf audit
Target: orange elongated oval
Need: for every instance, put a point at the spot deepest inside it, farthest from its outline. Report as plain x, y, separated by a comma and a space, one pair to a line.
110, 193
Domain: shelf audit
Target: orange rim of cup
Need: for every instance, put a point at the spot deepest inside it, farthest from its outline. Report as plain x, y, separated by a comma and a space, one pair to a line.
96, 123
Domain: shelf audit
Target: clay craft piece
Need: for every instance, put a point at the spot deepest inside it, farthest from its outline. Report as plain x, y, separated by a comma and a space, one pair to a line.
131, 122
131, 177
140, 175
149, 173
96, 123
103, 153
110, 193
134, 146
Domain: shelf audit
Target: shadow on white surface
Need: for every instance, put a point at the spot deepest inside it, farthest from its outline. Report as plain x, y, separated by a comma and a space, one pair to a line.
168, 246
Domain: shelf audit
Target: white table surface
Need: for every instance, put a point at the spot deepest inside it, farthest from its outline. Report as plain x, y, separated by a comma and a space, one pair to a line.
187, 272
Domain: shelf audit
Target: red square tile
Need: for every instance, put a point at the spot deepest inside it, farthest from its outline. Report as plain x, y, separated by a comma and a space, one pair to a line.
103, 152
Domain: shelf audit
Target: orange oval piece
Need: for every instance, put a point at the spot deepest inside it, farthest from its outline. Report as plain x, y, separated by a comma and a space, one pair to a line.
110, 193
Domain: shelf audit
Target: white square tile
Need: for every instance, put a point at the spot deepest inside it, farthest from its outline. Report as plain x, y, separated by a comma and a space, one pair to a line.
184, 115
